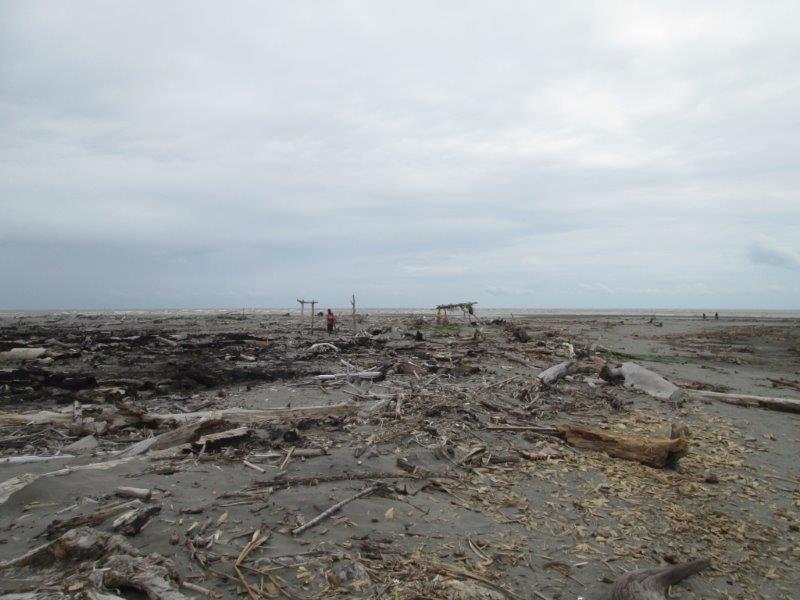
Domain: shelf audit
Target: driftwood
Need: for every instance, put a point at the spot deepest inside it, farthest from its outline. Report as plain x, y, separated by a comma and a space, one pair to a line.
16, 354
652, 584
644, 380
233, 415
554, 373
133, 521
780, 404
169, 439
350, 376
156, 581
82, 543
21, 460
59, 526
9, 486
223, 436
134, 492
654, 452
335, 508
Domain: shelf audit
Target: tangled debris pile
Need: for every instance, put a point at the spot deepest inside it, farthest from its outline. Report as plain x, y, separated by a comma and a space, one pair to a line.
212, 454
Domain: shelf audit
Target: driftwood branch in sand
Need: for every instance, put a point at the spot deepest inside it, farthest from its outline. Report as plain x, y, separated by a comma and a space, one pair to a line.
780, 404
335, 508
654, 452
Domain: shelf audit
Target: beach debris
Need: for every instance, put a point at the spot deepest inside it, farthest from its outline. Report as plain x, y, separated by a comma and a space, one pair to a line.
336, 508
635, 376
652, 584
791, 405
455, 589
654, 452
93, 519
21, 354
78, 544
556, 372
84, 445
348, 574
134, 520
134, 492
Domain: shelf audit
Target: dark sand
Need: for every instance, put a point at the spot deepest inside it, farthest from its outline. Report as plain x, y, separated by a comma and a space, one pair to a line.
563, 527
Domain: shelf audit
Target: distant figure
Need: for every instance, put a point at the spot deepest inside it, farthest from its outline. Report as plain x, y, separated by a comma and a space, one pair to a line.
716, 316
704, 316
330, 321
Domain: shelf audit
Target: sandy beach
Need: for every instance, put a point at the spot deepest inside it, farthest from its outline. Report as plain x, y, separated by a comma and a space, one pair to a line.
465, 500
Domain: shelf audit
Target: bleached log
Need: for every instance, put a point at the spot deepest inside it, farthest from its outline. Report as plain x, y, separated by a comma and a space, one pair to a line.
259, 416
556, 372
233, 415
644, 380
780, 404
16, 354
134, 492
21, 460
351, 376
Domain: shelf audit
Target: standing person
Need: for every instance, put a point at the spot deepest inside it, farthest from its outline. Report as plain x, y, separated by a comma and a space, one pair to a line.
716, 316
330, 321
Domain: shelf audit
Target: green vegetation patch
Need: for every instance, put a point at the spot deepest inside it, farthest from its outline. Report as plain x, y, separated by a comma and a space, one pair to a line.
443, 329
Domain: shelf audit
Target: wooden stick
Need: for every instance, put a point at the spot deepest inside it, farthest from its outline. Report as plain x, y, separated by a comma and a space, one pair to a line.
780, 404
286, 460
335, 508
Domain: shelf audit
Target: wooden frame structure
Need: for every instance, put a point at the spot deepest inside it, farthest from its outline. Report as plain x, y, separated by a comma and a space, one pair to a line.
467, 308
303, 310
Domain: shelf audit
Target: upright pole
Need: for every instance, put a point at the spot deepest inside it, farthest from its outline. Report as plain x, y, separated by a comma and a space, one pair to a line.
353, 303
313, 302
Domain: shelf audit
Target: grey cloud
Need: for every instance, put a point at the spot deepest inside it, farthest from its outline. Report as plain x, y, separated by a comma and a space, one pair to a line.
190, 154
765, 253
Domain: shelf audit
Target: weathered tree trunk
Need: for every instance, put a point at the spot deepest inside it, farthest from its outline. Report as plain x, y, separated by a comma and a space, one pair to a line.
654, 452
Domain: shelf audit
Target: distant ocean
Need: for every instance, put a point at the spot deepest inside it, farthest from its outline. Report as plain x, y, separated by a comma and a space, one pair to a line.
481, 312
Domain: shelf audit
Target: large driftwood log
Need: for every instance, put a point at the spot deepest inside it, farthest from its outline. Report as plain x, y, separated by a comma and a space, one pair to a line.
654, 452
652, 584
781, 404
556, 372
645, 380
233, 415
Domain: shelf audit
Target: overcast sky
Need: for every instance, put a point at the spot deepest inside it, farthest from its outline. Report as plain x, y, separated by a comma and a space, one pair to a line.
244, 154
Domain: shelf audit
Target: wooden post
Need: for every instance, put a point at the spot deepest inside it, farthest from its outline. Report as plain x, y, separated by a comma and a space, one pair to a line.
353, 304
312, 303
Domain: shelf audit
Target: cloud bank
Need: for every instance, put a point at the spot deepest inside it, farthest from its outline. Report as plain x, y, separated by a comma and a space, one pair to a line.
518, 154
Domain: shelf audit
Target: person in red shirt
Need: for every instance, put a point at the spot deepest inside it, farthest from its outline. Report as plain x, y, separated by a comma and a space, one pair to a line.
330, 321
